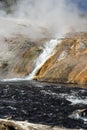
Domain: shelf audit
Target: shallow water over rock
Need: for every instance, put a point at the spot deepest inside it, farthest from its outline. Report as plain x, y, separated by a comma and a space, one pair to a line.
44, 103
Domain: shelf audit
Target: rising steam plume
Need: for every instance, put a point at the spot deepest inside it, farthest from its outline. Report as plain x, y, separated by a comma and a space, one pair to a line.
38, 19
52, 16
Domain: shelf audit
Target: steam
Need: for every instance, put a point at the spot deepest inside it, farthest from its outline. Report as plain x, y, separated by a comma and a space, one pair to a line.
38, 18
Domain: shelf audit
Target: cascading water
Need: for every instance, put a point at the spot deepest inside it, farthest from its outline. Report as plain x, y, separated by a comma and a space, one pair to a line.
48, 49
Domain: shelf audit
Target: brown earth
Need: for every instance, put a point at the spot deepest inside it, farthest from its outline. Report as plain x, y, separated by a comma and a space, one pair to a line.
17, 55
69, 63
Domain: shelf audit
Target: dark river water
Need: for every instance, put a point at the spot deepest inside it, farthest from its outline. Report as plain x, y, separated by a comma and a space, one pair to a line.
44, 103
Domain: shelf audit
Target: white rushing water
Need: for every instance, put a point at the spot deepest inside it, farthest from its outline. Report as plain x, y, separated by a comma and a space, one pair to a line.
48, 50
76, 99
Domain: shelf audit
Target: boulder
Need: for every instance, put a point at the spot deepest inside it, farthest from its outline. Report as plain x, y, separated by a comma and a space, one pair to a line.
18, 125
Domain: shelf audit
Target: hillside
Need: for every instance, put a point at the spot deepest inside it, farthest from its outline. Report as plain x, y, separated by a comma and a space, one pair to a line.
17, 55
69, 63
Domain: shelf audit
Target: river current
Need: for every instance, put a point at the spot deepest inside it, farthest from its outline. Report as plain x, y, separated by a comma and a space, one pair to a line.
44, 103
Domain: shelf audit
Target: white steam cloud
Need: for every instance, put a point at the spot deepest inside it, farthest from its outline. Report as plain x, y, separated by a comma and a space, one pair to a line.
41, 17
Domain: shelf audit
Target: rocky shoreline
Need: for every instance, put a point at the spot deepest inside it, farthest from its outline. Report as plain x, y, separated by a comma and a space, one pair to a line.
18, 125
68, 64
45, 104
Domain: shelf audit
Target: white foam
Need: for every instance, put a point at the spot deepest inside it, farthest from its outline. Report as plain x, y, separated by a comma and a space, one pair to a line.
76, 100
13, 79
48, 50
76, 115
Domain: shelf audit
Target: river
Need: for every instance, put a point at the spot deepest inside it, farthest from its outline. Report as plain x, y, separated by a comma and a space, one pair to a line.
44, 103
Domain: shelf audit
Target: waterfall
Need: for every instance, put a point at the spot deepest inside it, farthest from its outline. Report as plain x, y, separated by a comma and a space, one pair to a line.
48, 49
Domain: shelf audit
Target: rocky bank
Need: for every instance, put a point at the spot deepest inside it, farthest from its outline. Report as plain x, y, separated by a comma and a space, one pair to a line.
69, 62
17, 55
17, 125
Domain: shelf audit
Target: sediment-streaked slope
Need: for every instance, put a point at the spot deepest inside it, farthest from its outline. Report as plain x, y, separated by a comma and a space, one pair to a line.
17, 55
69, 63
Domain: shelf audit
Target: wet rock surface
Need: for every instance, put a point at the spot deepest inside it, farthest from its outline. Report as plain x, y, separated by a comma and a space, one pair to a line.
18, 54
43, 103
68, 64
18, 125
